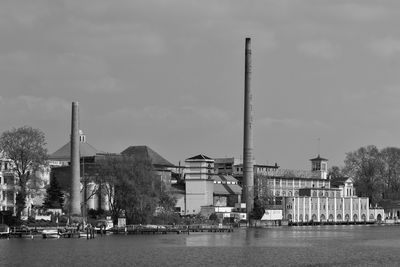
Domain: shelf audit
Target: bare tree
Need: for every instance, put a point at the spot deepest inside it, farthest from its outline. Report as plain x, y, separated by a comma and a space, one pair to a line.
25, 147
366, 167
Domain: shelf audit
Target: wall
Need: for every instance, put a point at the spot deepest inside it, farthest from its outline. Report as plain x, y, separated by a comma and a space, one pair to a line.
198, 193
323, 209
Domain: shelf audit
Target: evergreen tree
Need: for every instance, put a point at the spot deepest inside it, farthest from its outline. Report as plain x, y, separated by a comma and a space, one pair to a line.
54, 197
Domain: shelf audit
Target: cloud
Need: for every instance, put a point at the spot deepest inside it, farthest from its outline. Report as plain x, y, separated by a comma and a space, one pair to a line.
33, 106
360, 12
318, 48
290, 123
187, 114
386, 47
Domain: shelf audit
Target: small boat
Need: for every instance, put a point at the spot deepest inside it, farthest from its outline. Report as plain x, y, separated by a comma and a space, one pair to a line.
51, 233
104, 226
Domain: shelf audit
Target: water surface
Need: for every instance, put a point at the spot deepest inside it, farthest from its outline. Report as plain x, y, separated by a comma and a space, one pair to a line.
348, 245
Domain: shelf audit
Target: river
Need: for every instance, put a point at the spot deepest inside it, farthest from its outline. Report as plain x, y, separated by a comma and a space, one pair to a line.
344, 245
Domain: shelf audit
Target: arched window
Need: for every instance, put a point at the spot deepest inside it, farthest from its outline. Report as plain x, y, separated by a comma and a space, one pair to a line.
363, 217
347, 217
290, 193
314, 217
314, 193
355, 217
289, 217
323, 218
331, 218
339, 217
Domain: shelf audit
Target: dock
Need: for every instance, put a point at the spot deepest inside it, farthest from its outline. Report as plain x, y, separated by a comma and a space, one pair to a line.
168, 229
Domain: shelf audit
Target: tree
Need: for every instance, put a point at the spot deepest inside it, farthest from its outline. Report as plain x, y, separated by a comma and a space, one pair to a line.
260, 205
391, 171
132, 188
54, 197
334, 172
366, 167
25, 147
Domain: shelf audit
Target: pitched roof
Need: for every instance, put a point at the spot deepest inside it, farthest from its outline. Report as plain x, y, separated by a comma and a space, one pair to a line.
336, 182
64, 153
318, 158
227, 189
224, 178
145, 152
200, 156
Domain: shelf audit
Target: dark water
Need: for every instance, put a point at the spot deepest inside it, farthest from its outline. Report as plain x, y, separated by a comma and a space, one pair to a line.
285, 246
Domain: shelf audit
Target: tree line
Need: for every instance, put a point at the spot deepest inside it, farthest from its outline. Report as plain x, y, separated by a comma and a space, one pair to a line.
375, 172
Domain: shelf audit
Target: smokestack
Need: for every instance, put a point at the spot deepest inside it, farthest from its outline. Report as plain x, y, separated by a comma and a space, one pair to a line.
75, 162
248, 171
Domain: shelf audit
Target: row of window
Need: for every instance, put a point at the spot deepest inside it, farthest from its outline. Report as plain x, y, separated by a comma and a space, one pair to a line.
332, 206
297, 183
331, 217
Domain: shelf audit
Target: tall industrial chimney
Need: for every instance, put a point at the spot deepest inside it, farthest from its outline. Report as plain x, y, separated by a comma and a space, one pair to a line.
248, 171
75, 162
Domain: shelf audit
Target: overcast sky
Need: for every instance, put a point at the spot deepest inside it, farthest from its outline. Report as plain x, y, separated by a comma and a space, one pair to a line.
169, 74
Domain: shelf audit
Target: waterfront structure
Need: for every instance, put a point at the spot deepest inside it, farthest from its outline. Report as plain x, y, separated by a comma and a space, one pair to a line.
391, 208
314, 198
207, 192
199, 185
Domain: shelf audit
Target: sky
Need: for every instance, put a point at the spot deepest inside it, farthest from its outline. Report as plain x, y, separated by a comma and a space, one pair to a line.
169, 74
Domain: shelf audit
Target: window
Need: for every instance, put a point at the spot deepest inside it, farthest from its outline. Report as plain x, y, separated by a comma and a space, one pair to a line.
323, 166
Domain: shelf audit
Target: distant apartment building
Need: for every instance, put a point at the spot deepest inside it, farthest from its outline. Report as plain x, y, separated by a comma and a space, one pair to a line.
209, 190
8, 186
199, 185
